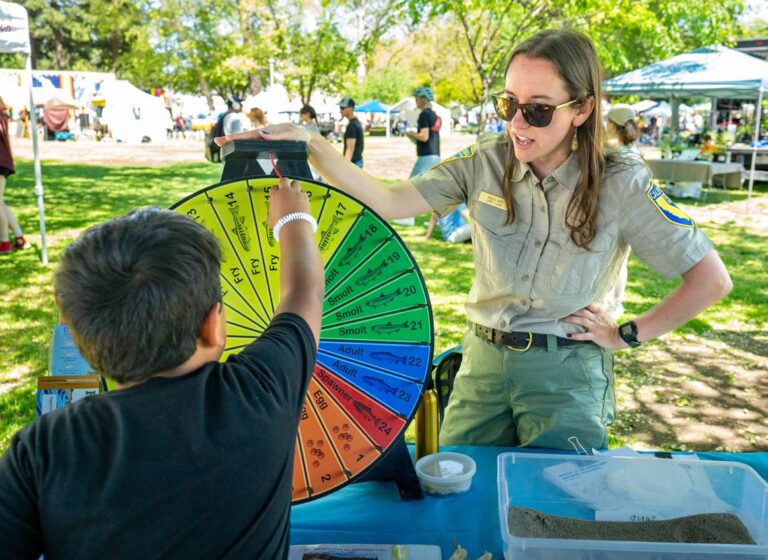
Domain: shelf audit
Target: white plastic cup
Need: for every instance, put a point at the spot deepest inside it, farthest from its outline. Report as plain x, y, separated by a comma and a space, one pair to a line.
445, 473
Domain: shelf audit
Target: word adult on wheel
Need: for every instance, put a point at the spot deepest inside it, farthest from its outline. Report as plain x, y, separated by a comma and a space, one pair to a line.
553, 215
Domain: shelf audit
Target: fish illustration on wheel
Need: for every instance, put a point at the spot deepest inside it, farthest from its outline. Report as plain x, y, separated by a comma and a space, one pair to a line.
270, 237
389, 357
352, 251
367, 413
239, 230
380, 385
371, 274
383, 299
389, 328
327, 234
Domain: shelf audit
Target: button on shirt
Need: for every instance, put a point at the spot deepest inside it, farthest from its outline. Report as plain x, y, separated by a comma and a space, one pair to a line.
530, 274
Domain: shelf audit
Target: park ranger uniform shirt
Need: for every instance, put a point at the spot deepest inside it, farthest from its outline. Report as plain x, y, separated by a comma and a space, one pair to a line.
530, 274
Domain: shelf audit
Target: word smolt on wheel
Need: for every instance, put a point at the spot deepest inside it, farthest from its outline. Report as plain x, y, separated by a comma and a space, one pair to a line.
376, 341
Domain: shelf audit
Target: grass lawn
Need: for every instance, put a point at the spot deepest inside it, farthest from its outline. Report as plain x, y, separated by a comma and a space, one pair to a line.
78, 196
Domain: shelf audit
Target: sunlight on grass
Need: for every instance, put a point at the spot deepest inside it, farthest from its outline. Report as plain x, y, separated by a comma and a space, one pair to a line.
78, 196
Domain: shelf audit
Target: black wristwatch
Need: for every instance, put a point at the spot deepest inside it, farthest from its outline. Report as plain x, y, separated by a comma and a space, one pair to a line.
628, 333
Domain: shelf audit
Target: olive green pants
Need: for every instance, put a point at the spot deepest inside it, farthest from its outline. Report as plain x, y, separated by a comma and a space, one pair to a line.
538, 398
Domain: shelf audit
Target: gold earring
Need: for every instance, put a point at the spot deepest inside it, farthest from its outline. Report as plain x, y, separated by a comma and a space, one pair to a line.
575, 141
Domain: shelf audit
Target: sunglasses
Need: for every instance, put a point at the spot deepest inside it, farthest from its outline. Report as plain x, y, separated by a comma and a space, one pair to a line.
535, 114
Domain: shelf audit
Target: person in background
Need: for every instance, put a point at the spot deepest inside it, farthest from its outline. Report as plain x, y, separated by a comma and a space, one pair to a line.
553, 216
353, 135
427, 133
308, 118
190, 457
454, 226
234, 120
623, 131
257, 117
179, 126
8, 221
426, 136
708, 147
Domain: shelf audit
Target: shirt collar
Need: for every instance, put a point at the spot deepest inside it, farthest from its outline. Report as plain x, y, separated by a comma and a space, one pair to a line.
521, 170
568, 174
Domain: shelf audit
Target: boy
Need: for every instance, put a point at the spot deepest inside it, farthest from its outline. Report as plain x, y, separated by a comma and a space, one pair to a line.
190, 458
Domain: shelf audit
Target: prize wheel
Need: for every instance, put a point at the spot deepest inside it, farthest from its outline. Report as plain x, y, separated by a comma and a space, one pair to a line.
376, 341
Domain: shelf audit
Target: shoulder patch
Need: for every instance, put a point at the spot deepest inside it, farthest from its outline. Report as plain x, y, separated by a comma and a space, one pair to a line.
667, 208
467, 152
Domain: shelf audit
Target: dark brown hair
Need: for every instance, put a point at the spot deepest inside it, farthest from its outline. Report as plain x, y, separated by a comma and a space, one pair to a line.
575, 58
627, 133
134, 292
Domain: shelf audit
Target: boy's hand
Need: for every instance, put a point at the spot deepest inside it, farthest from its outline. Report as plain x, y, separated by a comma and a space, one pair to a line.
284, 199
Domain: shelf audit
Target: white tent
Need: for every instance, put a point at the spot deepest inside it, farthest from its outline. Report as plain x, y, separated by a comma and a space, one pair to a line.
705, 72
14, 38
273, 101
407, 108
651, 108
133, 115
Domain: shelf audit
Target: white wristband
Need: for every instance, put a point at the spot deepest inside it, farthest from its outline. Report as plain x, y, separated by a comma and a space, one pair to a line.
292, 217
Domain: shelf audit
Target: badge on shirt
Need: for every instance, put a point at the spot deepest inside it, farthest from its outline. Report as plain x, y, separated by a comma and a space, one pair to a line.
493, 200
668, 208
467, 152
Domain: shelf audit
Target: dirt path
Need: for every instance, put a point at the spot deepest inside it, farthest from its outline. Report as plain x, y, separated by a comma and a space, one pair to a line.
388, 158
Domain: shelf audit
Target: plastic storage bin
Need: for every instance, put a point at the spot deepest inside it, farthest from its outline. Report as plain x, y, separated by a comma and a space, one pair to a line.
627, 489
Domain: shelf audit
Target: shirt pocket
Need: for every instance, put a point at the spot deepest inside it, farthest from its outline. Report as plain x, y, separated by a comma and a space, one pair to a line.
567, 269
497, 245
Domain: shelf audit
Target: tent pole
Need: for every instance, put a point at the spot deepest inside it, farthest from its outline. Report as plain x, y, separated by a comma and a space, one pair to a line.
388, 123
756, 138
674, 126
38, 170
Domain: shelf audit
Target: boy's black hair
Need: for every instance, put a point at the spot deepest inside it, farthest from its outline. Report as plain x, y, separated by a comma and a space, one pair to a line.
134, 291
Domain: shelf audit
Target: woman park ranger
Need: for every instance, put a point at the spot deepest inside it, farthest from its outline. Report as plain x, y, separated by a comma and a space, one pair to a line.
553, 215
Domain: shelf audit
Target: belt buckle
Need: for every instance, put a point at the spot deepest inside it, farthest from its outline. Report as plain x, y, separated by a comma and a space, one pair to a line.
527, 346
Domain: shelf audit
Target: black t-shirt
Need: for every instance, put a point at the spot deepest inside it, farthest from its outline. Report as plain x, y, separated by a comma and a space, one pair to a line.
355, 131
197, 466
427, 119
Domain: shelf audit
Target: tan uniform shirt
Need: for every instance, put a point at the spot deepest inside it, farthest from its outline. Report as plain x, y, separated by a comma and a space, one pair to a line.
530, 274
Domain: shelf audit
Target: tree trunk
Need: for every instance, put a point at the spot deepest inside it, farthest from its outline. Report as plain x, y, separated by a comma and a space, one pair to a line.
114, 48
255, 84
481, 116
361, 70
58, 39
206, 90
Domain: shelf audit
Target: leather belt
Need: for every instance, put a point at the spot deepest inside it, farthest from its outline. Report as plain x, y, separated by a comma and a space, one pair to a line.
520, 341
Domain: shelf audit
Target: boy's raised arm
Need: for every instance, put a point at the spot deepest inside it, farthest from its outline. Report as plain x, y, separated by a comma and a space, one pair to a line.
302, 278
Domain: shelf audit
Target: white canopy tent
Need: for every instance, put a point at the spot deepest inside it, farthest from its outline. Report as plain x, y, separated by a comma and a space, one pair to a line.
274, 101
132, 115
705, 72
14, 38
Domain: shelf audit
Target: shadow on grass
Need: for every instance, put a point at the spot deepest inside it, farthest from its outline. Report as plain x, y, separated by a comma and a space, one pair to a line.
695, 392
75, 196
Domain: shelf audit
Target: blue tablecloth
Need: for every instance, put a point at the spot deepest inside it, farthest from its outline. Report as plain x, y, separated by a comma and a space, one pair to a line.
372, 512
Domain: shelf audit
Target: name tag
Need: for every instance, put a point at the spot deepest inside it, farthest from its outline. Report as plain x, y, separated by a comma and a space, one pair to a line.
493, 200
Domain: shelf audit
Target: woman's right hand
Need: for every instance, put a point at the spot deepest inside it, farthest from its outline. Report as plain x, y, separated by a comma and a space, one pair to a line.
284, 199
282, 131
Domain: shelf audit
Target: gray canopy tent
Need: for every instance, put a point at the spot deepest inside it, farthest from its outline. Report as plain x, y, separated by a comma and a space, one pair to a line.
705, 72
14, 38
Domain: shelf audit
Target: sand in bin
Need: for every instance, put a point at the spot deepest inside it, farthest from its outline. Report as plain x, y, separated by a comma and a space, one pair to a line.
711, 528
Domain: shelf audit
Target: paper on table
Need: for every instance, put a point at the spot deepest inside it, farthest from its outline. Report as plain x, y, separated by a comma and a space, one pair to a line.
636, 491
